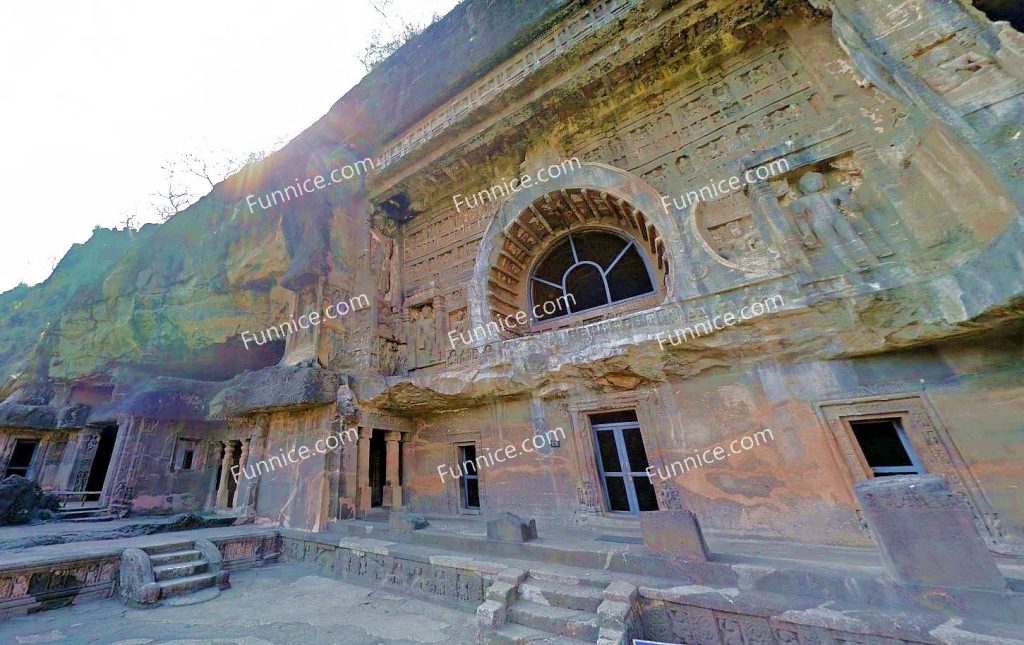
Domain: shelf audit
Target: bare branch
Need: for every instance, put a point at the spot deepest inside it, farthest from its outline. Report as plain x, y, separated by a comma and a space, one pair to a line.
172, 201
378, 49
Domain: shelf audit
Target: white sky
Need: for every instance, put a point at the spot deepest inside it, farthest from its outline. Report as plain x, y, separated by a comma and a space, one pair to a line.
97, 95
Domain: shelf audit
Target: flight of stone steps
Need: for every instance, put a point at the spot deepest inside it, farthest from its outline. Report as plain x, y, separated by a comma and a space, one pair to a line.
181, 573
547, 608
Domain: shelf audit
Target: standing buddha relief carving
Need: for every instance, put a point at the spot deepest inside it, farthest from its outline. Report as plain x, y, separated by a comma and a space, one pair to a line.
384, 258
827, 225
422, 337
825, 220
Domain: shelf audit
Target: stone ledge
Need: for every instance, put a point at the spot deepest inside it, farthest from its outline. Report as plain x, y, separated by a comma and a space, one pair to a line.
453, 582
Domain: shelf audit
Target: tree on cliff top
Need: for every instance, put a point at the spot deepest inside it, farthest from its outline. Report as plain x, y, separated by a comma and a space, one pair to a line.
379, 49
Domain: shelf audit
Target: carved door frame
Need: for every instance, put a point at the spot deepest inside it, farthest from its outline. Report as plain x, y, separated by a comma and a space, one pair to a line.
584, 448
453, 486
927, 435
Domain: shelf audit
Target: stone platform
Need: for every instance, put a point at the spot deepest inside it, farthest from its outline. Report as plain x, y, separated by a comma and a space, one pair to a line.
573, 586
275, 605
622, 541
34, 535
46, 577
579, 584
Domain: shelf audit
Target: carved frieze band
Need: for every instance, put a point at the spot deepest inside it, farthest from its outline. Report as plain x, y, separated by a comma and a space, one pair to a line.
529, 60
417, 578
383, 421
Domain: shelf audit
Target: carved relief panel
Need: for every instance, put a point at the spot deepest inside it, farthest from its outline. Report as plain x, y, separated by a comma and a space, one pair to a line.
423, 336
728, 227
958, 70
823, 218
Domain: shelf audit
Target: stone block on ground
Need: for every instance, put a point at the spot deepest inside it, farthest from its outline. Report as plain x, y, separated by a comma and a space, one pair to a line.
926, 533
675, 534
491, 614
621, 591
511, 528
406, 521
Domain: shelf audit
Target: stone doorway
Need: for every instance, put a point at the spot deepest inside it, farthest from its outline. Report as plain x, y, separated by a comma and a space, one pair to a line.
101, 463
378, 466
378, 476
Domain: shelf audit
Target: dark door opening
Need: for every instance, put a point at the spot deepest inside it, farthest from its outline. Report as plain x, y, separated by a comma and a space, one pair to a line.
220, 471
622, 461
471, 479
21, 457
101, 462
378, 464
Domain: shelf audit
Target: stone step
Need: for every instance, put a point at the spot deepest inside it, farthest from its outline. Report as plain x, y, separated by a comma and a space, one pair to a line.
544, 592
555, 620
179, 586
173, 557
512, 634
180, 569
570, 580
168, 548
203, 595
80, 513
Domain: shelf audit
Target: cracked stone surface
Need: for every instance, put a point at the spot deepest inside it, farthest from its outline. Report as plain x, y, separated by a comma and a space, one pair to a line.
277, 605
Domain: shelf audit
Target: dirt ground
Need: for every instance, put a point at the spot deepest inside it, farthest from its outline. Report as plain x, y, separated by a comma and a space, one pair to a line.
279, 605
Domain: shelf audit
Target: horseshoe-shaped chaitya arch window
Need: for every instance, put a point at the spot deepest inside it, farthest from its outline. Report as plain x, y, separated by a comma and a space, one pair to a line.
585, 253
586, 269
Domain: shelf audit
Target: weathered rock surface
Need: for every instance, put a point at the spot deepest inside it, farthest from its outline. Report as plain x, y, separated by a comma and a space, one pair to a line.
22, 501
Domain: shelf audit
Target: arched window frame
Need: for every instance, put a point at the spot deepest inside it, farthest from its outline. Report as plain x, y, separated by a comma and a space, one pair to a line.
652, 275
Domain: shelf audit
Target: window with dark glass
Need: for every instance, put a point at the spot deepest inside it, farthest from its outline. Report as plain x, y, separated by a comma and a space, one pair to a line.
622, 461
885, 447
588, 269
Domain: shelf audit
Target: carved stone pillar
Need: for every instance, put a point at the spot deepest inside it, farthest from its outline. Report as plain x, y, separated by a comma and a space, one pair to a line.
392, 488
242, 461
6, 445
363, 471
85, 454
121, 476
253, 450
210, 461
225, 475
